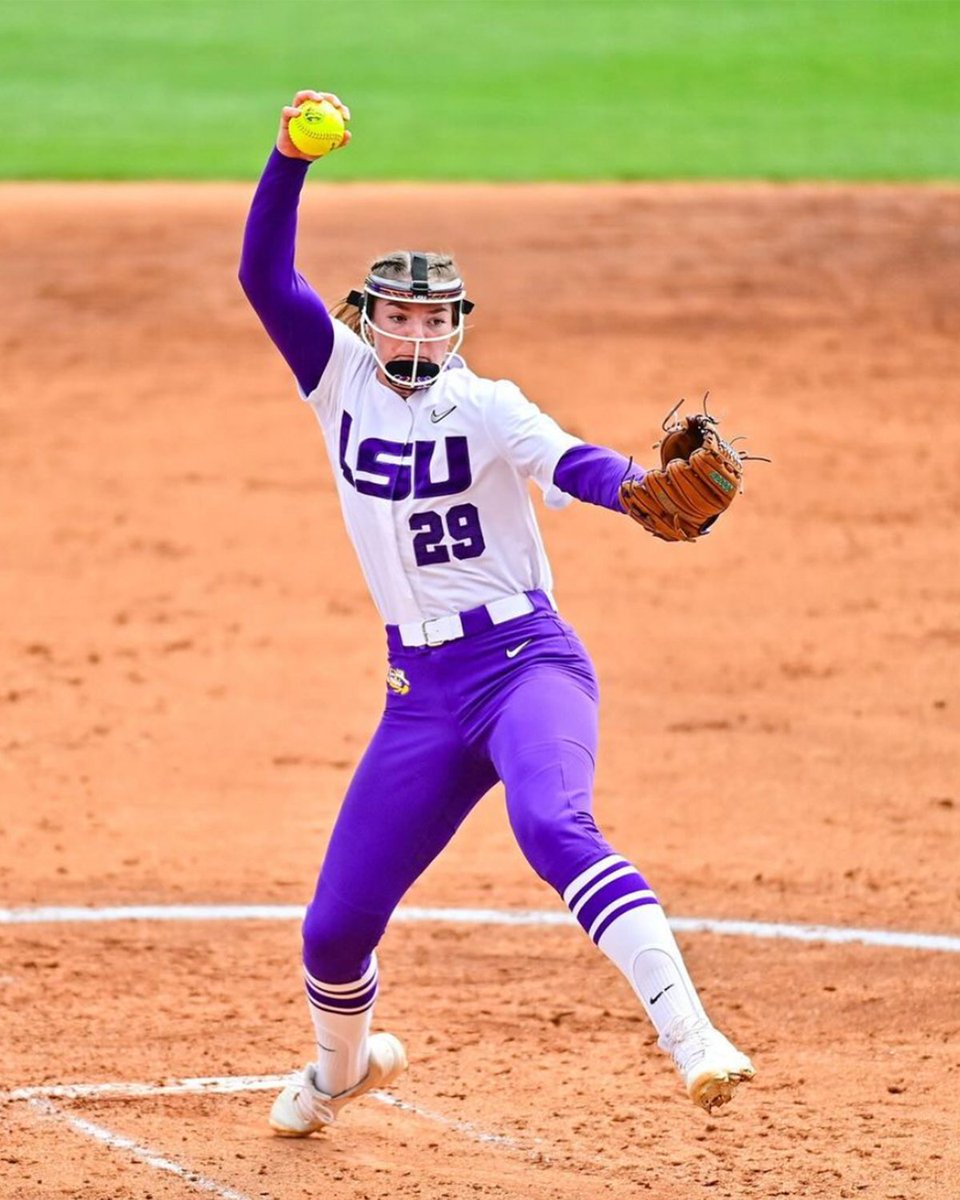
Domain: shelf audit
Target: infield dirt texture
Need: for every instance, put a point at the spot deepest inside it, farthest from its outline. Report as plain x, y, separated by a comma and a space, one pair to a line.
192, 666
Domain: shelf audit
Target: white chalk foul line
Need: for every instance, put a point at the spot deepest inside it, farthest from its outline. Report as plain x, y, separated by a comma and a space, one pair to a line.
201, 1085
467, 1128
41, 1097
152, 1158
55, 915
837, 935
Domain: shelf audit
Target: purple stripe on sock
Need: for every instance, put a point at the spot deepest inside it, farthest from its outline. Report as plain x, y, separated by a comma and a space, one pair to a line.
335, 1003
340, 990
349, 1012
634, 882
614, 866
614, 916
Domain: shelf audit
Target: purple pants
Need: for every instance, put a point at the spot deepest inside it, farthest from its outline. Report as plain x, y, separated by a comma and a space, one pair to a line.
473, 715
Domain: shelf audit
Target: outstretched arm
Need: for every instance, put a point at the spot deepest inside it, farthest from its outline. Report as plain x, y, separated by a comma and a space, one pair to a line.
594, 474
291, 311
535, 445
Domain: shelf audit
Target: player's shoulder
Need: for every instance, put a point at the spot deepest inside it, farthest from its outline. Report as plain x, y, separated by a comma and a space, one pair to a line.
350, 347
468, 388
349, 367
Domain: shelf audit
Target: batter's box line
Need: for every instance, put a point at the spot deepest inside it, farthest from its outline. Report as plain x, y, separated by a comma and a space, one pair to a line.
43, 1096
145, 1154
830, 934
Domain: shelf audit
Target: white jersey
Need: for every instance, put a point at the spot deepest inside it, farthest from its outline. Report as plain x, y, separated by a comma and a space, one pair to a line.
434, 487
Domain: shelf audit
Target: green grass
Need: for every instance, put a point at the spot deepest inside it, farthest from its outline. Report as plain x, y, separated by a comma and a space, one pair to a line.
486, 89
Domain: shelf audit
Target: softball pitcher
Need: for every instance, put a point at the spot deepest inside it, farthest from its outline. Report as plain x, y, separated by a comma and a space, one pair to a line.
486, 682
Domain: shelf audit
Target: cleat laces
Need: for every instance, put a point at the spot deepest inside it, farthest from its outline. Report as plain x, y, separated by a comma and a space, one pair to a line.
312, 1104
687, 1039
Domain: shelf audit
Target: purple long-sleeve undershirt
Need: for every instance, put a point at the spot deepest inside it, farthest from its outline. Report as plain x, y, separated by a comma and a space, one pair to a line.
291, 311
593, 474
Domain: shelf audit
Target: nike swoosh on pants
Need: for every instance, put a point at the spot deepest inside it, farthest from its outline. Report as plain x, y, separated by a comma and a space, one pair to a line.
516, 650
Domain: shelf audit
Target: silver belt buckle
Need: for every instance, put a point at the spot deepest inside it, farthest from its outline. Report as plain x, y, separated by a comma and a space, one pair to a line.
428, 641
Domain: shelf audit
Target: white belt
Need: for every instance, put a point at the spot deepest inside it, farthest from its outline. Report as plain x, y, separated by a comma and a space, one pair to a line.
437, 630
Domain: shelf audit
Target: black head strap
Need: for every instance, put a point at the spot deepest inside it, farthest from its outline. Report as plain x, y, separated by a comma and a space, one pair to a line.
419, 273
420, 286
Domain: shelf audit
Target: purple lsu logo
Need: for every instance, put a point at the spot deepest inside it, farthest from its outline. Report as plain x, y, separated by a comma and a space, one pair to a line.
401, 469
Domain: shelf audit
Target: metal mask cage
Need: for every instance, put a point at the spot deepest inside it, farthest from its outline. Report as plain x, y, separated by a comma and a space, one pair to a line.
417, 290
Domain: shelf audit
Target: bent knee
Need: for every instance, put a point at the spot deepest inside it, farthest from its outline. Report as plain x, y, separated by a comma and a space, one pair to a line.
556, 844
549, 810
338, 940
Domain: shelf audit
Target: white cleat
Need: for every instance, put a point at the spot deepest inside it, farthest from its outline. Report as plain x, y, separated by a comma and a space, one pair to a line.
302, 1109
711, 1066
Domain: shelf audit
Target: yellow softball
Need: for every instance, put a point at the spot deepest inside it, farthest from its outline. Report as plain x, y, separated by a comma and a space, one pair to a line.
318, 129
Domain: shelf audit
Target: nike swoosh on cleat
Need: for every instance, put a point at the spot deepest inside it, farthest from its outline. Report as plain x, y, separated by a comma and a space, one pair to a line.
655, 998
435, 416
516, 650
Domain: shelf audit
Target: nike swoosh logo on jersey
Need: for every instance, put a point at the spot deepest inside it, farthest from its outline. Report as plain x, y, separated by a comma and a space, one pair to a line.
516, 650
435, 417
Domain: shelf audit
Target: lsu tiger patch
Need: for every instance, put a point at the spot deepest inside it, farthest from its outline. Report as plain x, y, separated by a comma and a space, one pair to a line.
397, 681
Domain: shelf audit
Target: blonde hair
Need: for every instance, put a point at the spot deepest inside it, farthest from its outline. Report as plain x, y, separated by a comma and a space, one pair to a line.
396, 265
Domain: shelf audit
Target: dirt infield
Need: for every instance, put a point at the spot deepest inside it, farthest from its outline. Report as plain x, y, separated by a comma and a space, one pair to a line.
192, 666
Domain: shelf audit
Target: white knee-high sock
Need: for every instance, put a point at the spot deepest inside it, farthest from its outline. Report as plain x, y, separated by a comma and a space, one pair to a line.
621, 915
341, 1014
